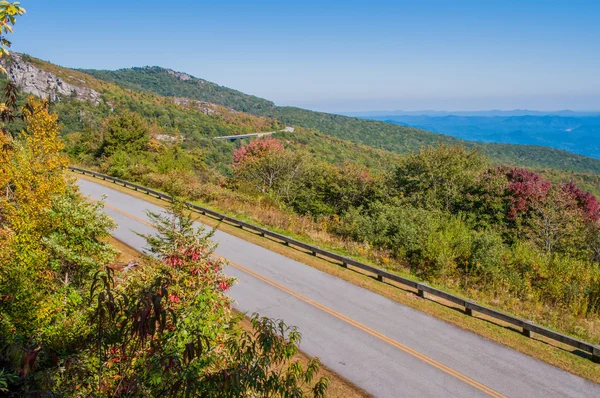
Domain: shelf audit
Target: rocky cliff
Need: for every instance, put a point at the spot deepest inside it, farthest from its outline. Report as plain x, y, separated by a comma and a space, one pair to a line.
41, 83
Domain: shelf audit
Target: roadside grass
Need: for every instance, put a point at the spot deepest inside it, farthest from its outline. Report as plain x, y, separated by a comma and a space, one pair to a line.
126, 253
552, 352
338, 386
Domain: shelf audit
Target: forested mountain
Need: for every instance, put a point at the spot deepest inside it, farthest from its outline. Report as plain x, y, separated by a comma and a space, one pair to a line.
84, 102
175, 84
400, 139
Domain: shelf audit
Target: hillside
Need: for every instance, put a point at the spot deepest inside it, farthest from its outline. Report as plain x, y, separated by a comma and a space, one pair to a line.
152, 79
85, 102
400, 139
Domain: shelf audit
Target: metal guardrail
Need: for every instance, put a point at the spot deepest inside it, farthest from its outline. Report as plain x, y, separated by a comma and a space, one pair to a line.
528, 328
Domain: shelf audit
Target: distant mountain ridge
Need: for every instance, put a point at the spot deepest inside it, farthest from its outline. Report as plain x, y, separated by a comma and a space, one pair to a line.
377, 134
490, 113
577, 134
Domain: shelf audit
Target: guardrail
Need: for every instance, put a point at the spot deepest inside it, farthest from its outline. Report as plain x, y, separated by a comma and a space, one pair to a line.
528, 328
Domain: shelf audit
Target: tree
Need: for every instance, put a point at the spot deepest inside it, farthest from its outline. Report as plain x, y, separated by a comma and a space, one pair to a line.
554, 222
32, 171
126, 132
51, 240
327, 189
526, 189
267, 167
438, 177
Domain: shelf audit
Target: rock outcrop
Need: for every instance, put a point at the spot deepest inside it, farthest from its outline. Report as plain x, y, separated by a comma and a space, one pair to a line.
179, 75
205, 107
43, 84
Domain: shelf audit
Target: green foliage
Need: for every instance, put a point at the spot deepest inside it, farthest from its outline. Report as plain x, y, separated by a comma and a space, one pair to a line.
328, 189
438, 177
126, 133
271, 348
171, 84
167, 328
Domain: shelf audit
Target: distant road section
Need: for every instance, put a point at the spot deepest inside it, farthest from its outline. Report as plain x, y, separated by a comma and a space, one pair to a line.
287, 129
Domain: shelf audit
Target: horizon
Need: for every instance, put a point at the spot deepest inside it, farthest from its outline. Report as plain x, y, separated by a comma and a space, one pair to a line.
381, 112
545, 111
377, 55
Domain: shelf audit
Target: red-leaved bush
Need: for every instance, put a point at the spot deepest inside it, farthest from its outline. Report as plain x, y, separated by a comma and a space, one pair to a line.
586, 202
255, 149
526, 189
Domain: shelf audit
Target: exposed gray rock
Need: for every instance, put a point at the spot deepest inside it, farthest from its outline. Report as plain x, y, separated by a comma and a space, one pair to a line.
179, 75
43, 84
205, 107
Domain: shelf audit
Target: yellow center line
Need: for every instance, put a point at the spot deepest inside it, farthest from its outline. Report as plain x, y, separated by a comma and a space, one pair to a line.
348, 320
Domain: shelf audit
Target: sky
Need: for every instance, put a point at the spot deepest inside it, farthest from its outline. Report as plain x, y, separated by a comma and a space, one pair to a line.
341, 56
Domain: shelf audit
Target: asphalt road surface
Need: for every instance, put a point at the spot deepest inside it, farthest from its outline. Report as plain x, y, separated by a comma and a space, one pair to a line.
387, 349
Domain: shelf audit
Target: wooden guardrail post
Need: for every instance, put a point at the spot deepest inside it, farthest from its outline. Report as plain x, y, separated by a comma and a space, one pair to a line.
469, 310
420, 291
527, 332
380, 277
596, 354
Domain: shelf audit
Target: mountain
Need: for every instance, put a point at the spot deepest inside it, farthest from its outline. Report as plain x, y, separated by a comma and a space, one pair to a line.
578, 134
377, 134
84, 102
152, 79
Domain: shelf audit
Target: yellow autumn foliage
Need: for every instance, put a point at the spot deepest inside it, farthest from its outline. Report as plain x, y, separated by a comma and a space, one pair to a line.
32, 170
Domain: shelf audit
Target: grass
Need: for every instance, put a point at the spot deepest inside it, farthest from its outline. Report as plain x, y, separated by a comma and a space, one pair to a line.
554, 353
338, 386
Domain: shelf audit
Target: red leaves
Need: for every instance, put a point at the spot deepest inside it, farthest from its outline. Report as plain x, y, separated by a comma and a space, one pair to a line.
182, 255
256, 149
527, 188
174, 299
28, 361
586, 202
173, 261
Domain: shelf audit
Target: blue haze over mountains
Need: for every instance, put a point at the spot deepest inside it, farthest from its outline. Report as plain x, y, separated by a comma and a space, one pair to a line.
577, 132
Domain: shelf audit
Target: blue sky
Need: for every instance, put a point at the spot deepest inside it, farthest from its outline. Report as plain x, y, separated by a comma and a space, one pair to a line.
341, 55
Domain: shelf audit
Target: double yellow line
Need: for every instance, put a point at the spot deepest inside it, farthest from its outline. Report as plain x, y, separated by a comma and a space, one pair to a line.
487, 390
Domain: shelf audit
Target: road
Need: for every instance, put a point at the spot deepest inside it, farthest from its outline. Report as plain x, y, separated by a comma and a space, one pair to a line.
287, 129
387, 349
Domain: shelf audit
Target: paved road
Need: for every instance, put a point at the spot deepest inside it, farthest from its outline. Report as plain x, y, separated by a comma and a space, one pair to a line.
287, 129
385, 348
